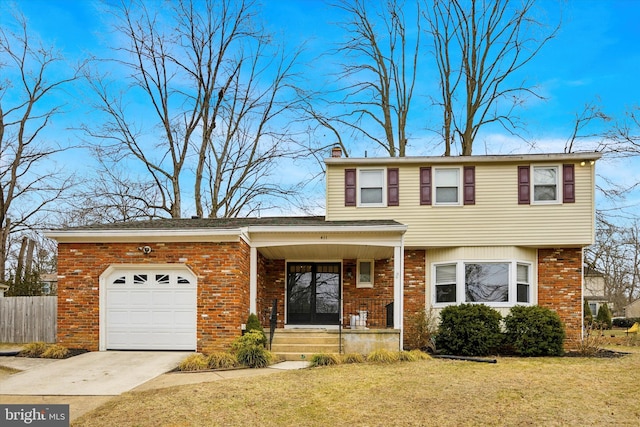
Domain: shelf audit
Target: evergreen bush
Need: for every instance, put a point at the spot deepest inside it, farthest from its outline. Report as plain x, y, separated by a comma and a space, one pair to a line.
249, 350
588, 316
253, 324
469, 330
604, 317
534, 331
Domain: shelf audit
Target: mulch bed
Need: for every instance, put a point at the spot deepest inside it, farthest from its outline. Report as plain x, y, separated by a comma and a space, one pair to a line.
72, 352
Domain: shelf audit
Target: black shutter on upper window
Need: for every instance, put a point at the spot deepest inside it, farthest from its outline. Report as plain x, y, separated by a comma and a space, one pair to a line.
393, 187
350, 187
524, 185
569, 184
469, 187
425, 186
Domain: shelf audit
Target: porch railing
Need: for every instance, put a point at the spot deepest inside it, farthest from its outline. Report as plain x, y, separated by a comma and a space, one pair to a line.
360, 313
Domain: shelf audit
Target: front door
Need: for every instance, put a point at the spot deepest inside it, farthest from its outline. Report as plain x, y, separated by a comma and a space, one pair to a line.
313, 293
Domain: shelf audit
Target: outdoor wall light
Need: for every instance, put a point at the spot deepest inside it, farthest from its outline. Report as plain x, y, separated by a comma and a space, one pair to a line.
349, 273
145, 249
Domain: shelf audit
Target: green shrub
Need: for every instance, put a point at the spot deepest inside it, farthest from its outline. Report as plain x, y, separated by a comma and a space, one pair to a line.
221, 360
353, 358
604, 317
34, 349
55, 351
422, 330
249, 350
324, 359
253, 324
588, 317
534, 331
469, 330
621, 322
383, 356
255, 356
194, 362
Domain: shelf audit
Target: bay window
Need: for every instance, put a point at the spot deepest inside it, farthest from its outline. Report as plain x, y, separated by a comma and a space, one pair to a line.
500, 284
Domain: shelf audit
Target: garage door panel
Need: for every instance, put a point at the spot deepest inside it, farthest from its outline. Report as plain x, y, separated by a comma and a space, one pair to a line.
147, 310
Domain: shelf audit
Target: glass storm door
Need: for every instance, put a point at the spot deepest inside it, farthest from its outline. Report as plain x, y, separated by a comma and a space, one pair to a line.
313, 293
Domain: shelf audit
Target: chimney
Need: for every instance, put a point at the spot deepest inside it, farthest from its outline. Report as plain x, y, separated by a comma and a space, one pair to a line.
336, 151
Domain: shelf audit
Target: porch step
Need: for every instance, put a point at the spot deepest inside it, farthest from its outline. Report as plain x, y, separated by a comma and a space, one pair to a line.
301, 344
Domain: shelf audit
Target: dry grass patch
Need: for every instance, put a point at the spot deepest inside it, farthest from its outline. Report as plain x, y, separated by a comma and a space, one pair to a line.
515, 391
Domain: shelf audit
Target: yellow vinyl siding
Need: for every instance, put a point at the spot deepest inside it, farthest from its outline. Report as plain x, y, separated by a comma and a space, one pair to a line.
496, 219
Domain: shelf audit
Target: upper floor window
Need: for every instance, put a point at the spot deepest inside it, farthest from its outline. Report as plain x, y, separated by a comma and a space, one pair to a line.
545, 184
447, 186
371, 187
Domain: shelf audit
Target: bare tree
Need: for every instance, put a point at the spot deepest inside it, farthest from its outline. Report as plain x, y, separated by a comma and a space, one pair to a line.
32, 73
377, 77
616, 254
479, 48
215, 85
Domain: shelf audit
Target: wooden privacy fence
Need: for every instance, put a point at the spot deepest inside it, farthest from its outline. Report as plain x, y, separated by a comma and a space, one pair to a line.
28, 319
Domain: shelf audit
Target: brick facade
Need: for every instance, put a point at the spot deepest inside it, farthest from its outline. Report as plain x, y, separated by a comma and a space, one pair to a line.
414, 288
560, 288
222, 270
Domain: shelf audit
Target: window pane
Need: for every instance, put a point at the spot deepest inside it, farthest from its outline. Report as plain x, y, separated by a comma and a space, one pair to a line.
371, 195
446, 195
523, 292
544, 192
365, 272
523, 273
447, 177
487, 282
446, 274
446, 293
371, 178
545, 176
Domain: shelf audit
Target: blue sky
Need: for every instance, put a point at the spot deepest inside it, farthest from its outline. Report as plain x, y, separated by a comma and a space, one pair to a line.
594, 58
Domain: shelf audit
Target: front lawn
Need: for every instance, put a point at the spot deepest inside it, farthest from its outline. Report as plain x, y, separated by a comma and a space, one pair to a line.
515, 391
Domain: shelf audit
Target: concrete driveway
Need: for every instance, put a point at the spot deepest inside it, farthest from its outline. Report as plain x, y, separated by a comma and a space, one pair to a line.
99, 373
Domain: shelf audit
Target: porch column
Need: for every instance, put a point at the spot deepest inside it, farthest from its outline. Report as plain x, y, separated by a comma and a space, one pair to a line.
398, 285
253, 280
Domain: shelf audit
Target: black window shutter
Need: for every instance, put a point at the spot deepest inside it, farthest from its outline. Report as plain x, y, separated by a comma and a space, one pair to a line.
469, 188
524, 185
393, 187
350, 187
569, 184
425, 186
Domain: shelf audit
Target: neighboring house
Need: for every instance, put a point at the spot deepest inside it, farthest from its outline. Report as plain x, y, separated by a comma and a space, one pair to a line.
632, 310
49, 283
399, 235
593, 291
3, 289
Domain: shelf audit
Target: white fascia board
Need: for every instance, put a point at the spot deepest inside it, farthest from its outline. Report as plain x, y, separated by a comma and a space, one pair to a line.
157, 235
400, 228
476, 159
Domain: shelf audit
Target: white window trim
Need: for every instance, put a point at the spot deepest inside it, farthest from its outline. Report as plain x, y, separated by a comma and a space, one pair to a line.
460, 283
368, 284
435, 187
559, 185
359, 202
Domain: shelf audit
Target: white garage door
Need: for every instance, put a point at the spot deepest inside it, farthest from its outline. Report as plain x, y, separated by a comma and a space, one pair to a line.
151, 310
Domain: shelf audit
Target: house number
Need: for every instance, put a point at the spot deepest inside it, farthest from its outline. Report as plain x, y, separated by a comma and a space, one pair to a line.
324, 237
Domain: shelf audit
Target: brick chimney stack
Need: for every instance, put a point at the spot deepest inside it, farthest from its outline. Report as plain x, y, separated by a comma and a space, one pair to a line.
336, 151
